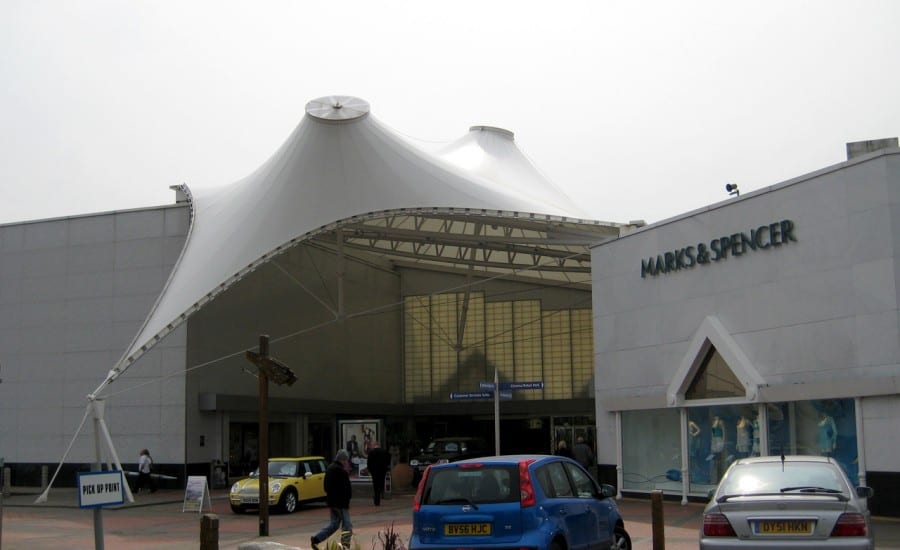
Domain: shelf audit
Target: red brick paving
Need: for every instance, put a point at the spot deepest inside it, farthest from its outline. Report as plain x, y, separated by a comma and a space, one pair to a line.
157, 521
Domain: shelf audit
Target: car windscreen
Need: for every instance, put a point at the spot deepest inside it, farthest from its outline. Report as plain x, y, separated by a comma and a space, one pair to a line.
283, 468
478, 484
775, 477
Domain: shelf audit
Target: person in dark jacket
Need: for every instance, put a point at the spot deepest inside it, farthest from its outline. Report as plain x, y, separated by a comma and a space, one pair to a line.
583, 454
338, 493
379, 461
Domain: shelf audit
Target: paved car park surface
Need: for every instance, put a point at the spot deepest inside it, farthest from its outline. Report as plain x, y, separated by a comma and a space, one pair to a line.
156, 521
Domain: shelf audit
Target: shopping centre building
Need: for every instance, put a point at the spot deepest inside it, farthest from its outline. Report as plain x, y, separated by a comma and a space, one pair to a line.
394, 278
389, 275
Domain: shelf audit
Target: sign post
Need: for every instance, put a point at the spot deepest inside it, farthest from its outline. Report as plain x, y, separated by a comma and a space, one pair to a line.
496, 413
497, 391
269, 369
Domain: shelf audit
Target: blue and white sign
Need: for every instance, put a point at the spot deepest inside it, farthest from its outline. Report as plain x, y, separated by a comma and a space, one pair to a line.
463, 395
487, 386
100, 489
468, 395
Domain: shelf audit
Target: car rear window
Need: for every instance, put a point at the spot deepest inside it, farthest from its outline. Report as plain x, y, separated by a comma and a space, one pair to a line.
776, 477
472, 484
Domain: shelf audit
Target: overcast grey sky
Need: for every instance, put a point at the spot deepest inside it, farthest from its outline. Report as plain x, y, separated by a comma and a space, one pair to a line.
638, 110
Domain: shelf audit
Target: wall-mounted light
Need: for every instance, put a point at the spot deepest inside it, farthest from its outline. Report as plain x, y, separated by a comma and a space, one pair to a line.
732, 189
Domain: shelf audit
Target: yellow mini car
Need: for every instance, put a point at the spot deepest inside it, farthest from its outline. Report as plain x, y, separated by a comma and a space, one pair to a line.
292, 480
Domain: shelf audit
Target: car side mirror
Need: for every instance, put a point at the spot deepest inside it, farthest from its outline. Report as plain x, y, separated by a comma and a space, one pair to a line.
307, 475
607, 490
865, 492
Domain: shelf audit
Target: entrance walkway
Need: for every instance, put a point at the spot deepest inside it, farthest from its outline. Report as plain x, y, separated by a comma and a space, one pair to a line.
157, 521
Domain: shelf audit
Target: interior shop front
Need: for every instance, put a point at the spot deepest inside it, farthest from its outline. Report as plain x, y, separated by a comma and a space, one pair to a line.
666, 448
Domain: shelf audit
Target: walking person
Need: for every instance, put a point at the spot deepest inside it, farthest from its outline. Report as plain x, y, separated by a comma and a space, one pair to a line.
379, 462
145, 464
338, 493
583, 454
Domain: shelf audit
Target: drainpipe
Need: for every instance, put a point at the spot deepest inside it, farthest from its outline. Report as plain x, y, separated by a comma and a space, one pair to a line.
860, 441
685, 482
620, 475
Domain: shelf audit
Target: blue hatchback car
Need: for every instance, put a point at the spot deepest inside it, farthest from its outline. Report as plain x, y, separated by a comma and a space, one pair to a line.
517, 501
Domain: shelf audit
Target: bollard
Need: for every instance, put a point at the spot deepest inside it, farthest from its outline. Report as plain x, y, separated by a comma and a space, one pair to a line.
3, 478
657, 520
45, 477
209, 532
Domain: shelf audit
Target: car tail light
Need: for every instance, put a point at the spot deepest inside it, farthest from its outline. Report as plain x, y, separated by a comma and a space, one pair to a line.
850, 525
526, 489
717, 525
417, 501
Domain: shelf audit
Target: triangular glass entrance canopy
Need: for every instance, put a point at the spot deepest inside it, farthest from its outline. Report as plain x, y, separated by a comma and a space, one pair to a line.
714, 368
714, 379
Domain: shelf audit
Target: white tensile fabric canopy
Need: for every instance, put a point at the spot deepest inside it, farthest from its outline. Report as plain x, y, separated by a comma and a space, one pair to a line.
341, 167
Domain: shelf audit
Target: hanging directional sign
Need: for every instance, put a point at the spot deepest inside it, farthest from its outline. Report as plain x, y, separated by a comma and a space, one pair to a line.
488, 386
470, 395
456, 395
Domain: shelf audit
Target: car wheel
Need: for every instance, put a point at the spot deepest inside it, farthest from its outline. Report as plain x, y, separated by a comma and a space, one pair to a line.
621, 540
237, 509
288, 502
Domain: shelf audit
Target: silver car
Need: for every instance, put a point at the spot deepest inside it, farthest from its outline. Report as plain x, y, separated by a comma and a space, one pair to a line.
786, 502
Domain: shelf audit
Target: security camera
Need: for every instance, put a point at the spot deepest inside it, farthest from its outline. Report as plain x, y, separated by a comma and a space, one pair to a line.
732, 189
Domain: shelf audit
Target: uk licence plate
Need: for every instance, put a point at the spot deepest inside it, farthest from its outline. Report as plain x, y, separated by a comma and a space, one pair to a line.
784, 527
251, 500
470, 529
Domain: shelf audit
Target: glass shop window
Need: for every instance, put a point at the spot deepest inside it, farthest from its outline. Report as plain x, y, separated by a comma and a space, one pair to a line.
717, 436
651, 450
824, 427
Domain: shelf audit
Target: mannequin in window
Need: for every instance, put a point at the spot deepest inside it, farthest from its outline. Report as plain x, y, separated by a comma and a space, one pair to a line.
717, 441
827, 434
716, 456
755, 449
743, 436
694, 440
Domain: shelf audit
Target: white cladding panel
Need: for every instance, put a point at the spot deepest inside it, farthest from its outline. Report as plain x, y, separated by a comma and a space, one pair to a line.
73, 292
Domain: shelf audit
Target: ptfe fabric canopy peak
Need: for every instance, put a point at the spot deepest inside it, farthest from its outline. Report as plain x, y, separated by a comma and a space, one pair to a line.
337, 108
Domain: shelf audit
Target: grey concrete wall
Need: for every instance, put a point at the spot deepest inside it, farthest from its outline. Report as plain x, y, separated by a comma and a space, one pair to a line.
73, 293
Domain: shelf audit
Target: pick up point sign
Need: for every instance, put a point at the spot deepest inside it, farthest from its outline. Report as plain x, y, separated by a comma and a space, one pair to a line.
100, 489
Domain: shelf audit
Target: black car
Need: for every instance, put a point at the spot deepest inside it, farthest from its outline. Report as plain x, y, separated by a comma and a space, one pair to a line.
447, 449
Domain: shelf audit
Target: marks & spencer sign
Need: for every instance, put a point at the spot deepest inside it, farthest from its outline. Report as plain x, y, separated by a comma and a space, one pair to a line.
759, 238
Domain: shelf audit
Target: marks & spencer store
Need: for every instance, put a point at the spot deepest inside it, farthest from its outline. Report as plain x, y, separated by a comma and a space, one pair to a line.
760, 325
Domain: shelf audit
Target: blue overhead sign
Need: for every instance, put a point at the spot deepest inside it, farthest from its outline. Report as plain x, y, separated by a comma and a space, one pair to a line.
512, 386
456, 395
471, 395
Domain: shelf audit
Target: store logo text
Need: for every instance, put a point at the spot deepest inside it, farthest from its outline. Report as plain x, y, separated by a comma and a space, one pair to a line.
736, 244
